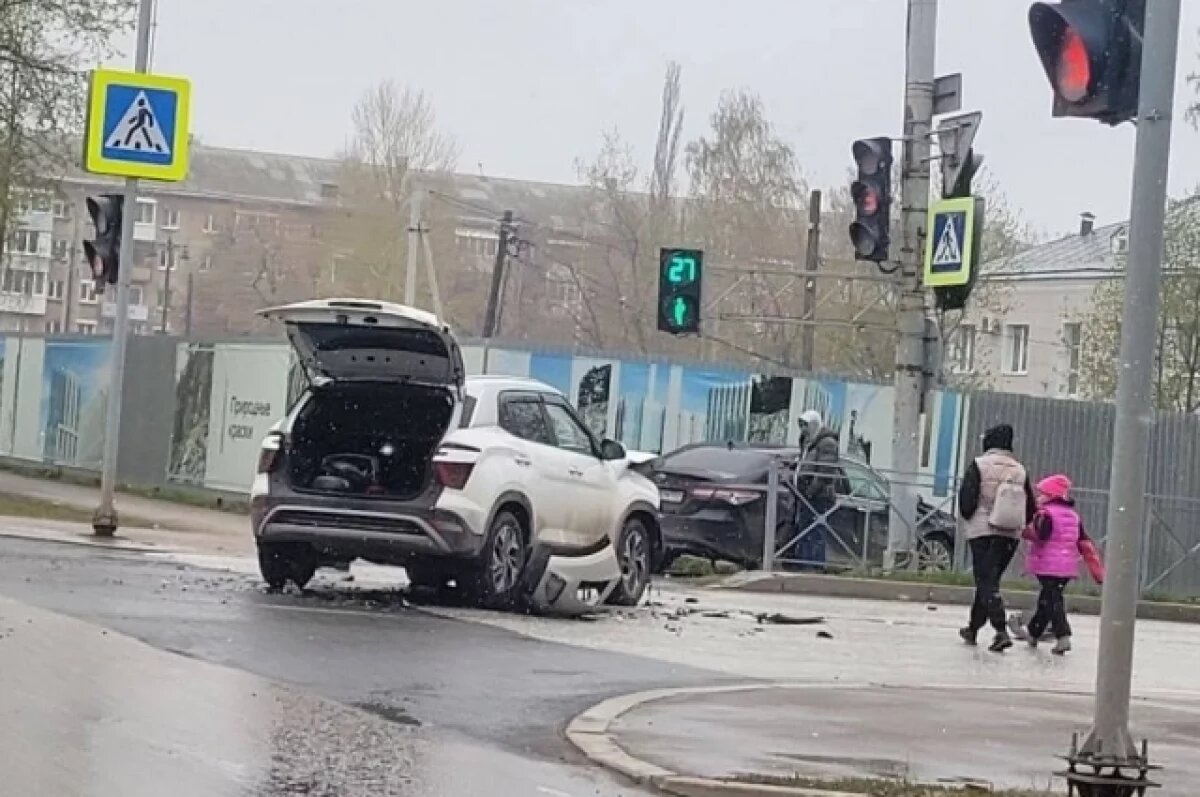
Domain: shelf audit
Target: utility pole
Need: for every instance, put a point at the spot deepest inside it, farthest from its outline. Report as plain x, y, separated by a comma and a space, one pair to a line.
166, 296
431, 274
187, 313
1110, 744
414, 244
491, 315
104, 523
920, 47
812, 256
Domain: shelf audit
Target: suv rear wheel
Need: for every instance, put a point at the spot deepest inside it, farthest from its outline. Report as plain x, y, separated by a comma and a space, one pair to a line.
281, 562
497, 577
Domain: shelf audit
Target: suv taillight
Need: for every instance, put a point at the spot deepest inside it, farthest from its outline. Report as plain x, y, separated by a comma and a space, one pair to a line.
453, 474
269, 455
453, 463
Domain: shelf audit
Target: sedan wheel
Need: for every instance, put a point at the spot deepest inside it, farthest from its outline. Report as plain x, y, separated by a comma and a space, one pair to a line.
507, 559
934, 555
633, 554
496, 579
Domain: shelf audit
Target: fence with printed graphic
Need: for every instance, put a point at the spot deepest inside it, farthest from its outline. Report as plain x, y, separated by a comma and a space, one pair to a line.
197, 411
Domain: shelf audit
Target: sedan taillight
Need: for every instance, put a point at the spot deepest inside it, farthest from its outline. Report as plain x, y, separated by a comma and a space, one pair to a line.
733, 497
270, 454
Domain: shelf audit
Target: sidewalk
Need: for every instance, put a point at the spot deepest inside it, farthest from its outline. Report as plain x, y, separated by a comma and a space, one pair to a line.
999, 738
85, 711
177, 527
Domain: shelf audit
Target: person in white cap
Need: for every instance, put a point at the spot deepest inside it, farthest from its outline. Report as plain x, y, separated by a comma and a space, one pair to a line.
816, 477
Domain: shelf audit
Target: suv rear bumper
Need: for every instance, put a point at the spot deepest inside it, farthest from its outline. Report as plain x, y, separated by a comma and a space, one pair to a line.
393, 534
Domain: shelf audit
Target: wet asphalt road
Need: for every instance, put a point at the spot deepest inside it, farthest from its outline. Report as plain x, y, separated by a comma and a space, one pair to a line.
494, 701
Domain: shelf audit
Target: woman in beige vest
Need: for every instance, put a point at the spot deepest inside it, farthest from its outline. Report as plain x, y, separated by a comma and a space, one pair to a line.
996, 502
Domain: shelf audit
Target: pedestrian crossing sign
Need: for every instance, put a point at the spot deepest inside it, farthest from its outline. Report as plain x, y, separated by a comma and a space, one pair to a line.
950, 244
137, 125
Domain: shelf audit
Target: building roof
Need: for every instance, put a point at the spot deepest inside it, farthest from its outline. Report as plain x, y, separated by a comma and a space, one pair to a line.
1077, 255
239, 174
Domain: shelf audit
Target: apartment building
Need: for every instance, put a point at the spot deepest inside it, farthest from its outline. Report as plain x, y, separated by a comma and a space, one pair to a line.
1024, 333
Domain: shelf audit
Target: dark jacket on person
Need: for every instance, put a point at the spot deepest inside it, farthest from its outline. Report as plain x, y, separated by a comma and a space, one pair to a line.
977, 492
820, 472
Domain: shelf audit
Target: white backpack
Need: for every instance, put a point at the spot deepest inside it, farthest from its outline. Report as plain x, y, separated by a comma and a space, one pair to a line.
1008, 510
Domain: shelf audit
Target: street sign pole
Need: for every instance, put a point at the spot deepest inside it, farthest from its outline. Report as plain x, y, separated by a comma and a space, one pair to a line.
920, 44
1110, 742
104, 523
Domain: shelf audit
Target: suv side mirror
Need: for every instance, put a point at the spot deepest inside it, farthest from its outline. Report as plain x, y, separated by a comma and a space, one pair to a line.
611, 450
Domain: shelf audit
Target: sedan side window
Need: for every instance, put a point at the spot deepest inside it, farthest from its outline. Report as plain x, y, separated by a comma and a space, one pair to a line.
525, 419
862, 483
568, 433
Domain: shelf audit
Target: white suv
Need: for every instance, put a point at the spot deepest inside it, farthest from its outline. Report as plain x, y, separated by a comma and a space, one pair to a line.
393, 455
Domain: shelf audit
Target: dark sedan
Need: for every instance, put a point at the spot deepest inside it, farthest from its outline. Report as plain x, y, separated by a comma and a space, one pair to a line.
713, 504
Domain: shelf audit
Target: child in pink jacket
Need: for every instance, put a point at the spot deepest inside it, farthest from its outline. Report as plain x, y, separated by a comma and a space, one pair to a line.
1057, 540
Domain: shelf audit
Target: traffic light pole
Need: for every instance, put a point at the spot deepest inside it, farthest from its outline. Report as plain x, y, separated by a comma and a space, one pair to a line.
920, 47
104, 523
1110, 739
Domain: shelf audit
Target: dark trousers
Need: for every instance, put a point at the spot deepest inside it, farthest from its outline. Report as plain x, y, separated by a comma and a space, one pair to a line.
990, 557
1051, 609
811, 547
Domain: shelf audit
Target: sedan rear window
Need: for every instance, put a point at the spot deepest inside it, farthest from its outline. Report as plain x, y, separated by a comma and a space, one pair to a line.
718, 459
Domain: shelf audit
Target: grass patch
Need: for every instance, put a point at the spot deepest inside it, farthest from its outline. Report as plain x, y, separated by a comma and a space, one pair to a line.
874, 787
24, 507
187, 496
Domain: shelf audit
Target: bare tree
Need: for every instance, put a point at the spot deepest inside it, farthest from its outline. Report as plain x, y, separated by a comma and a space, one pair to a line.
1177, 346
745, 207
395, 137
45, 48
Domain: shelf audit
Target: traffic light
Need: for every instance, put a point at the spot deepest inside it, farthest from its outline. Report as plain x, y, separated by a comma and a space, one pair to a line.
1092, 53
872, 195
104, 253
680, 274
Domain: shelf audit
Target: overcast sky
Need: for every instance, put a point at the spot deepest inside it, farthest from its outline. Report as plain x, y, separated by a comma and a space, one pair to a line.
527, 86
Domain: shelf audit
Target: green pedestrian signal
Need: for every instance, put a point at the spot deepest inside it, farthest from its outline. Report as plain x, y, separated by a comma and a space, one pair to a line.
680, 276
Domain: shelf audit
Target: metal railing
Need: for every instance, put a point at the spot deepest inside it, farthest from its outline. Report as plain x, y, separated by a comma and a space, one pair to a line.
853, 527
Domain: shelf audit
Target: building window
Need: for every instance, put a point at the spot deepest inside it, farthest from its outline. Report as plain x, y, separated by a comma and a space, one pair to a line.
210, 223
62, 210
1073, 339
55, 289
85, 327
473, 242
329, 191
24, 283
962, 349
135, 295
24, 242
53, 327
1016, 349
146, 212
87, 292
206, 263
171, 219
40, 203
59, 248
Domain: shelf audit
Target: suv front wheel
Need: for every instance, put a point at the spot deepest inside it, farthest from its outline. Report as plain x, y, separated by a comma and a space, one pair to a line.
634, 553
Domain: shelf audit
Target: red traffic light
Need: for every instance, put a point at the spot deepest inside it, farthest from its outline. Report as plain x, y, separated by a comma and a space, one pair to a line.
866, 198
1074, 74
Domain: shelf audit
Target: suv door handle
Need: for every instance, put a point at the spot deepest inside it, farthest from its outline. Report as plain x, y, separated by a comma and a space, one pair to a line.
574, 471
524, 462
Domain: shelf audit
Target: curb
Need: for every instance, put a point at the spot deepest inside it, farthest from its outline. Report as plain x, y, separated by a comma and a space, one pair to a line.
589, 732
946, 595
110, 543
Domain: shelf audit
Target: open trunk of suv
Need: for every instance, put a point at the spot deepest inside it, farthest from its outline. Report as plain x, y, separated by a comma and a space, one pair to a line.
368, 439
385, 380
